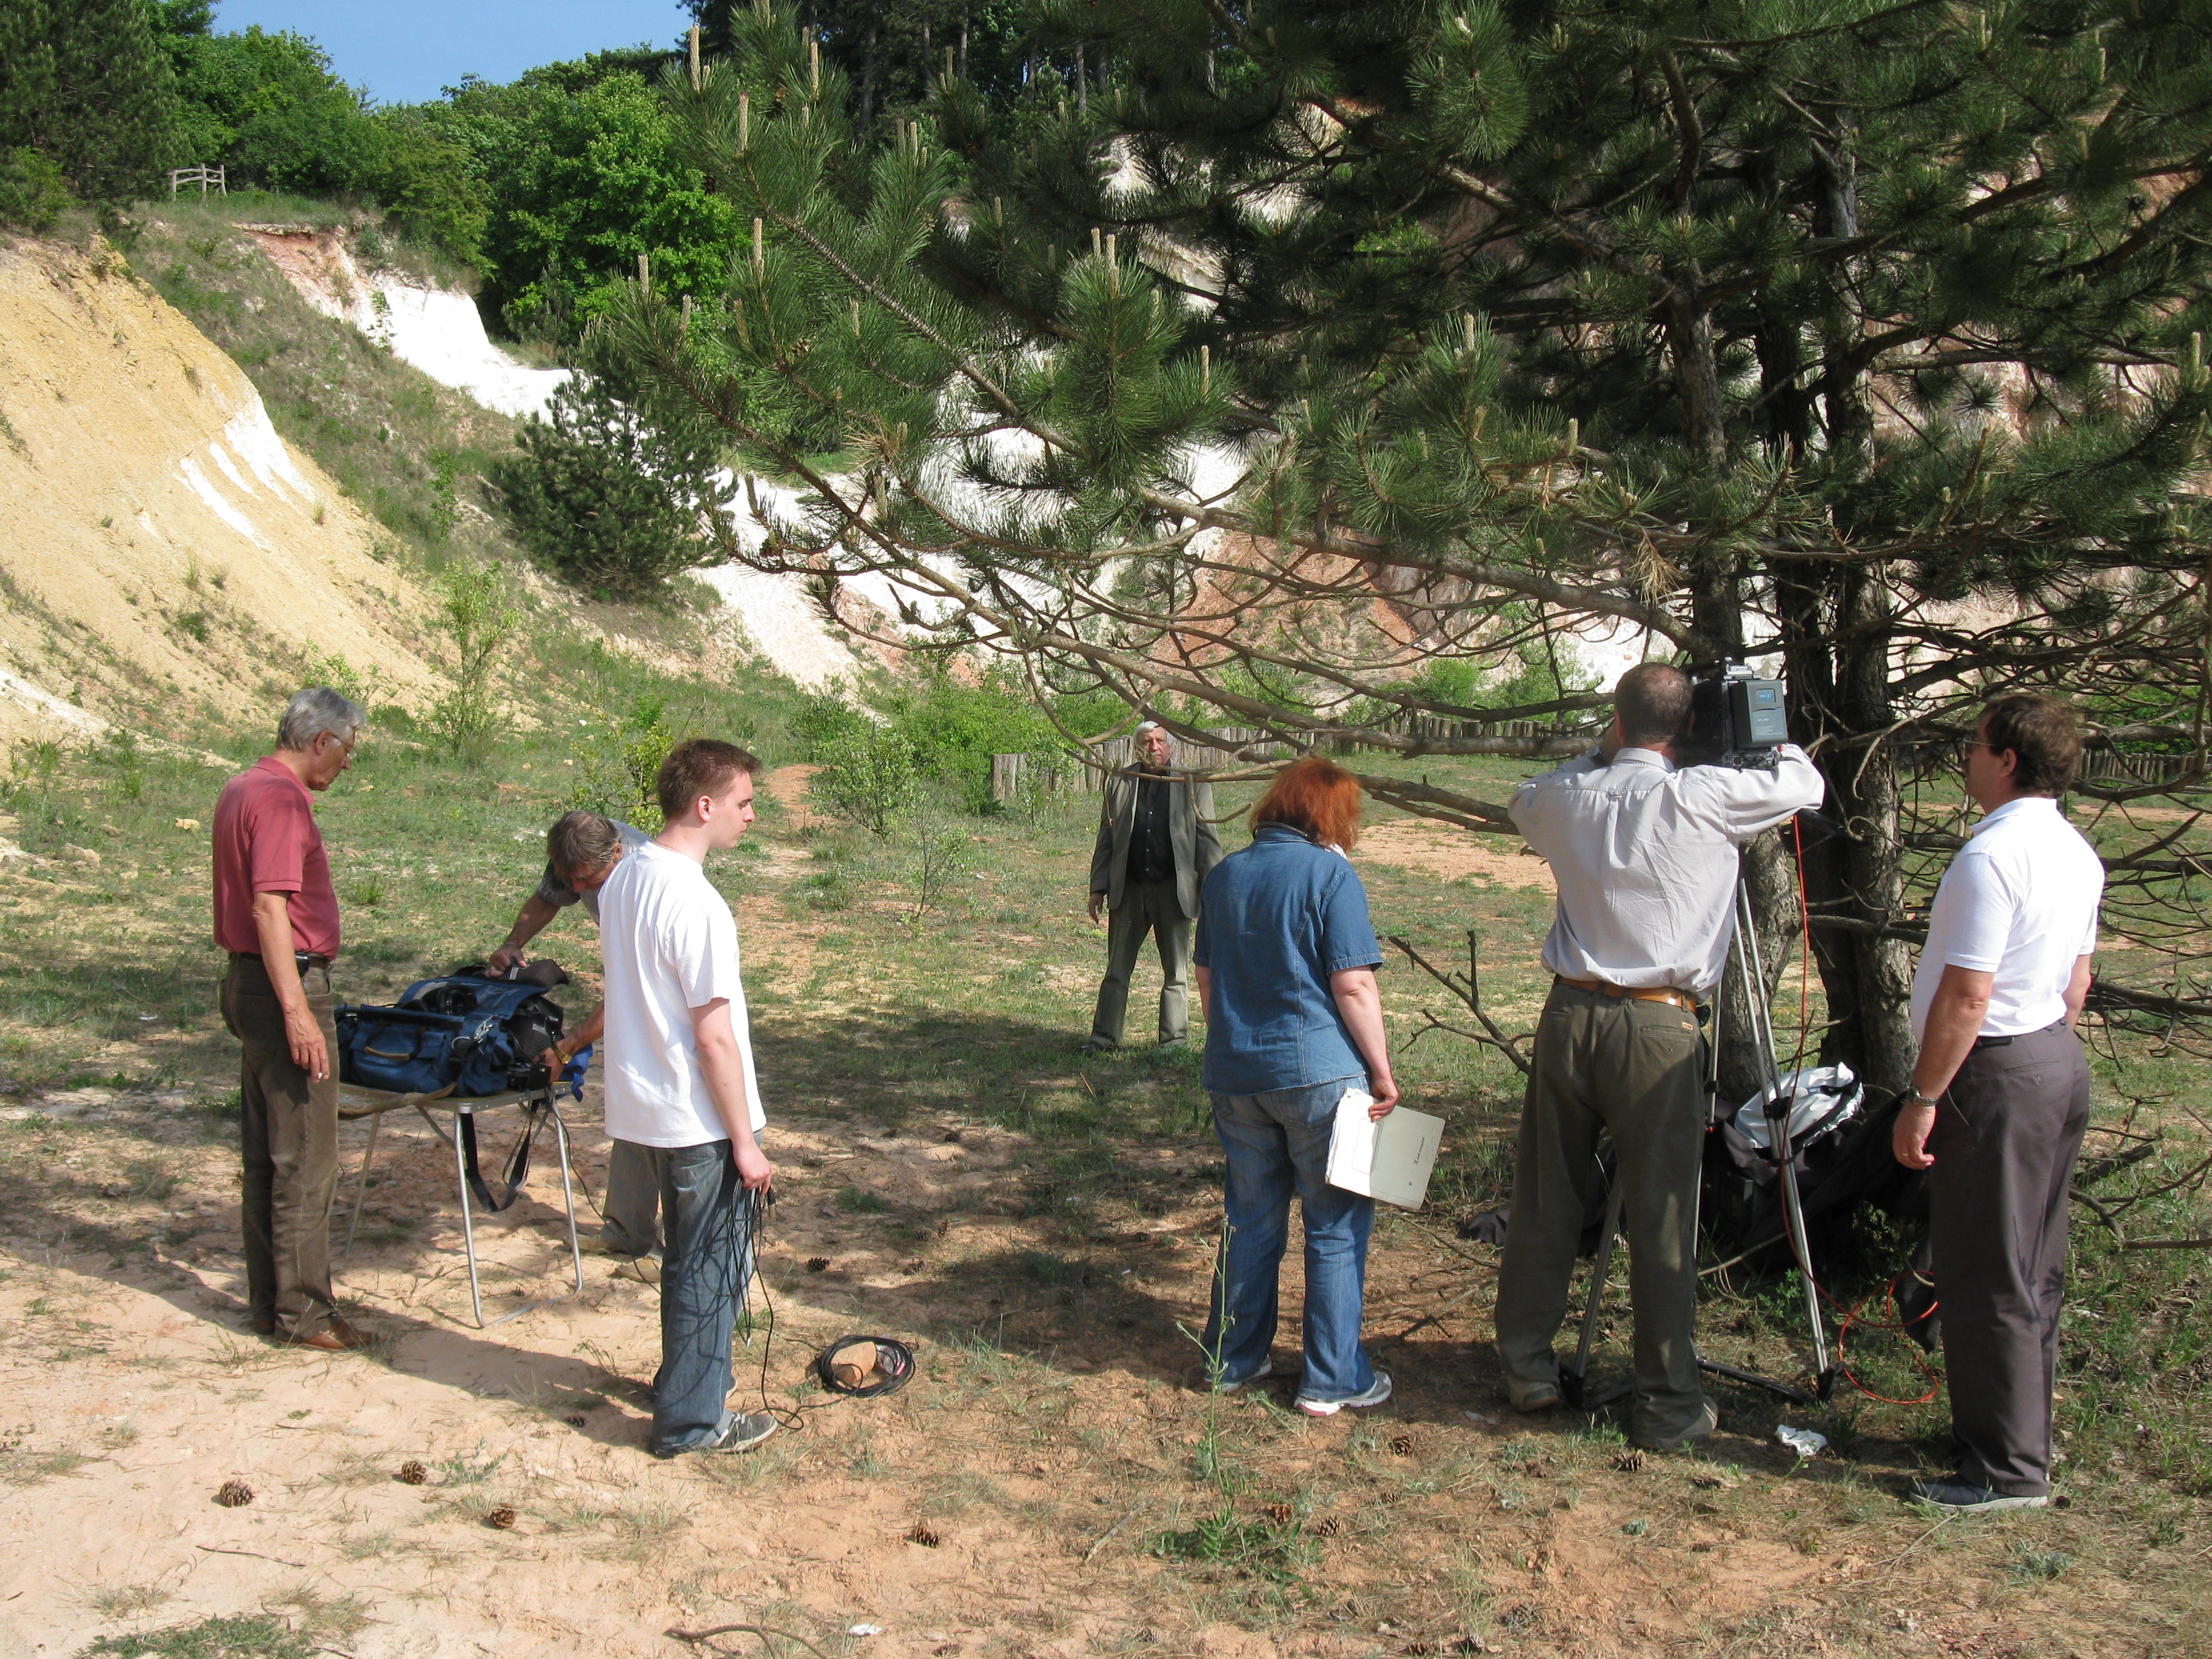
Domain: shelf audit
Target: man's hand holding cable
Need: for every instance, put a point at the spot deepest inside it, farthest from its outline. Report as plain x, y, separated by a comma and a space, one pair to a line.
1954, 1020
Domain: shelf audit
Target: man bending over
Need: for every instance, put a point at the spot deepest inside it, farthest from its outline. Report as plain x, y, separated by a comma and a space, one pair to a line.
581, 850
681, 1089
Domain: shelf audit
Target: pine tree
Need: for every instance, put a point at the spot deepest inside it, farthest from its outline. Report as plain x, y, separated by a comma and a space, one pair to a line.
1866, 335
603, 498
88, 85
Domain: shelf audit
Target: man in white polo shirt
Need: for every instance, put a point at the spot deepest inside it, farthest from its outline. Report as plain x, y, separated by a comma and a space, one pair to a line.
681, 1089
2000, 1095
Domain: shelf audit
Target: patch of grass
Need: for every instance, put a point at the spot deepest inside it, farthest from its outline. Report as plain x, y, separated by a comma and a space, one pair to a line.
858, 1200
150, 1179
2030, 1565
468, 1468
125, 1601
1263, 1547
255, 1636
21, 1466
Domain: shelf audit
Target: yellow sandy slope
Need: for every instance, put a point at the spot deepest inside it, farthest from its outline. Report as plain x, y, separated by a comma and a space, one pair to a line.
170, 563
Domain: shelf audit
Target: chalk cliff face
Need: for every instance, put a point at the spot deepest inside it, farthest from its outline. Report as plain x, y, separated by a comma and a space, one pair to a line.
168, 560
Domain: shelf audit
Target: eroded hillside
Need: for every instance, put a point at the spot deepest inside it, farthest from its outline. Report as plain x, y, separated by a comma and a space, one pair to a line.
165, 551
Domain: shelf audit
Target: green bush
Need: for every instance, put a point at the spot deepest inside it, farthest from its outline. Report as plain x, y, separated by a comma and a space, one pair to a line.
616, 774
605, 499
821, 719
868, 778
474, 613
34, 194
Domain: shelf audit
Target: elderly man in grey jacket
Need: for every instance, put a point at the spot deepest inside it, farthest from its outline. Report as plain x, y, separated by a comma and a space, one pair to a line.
1156, 842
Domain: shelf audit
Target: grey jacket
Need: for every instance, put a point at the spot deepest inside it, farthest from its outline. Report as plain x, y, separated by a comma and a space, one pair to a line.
1190, 830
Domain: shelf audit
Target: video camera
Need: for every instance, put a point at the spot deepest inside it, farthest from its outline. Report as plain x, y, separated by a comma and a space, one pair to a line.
1736, 719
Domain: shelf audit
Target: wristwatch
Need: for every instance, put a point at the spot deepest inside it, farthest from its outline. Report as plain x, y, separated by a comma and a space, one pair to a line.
1912, 1097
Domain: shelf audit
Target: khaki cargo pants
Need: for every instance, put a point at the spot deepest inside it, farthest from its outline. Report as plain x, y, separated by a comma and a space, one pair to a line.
1632, 1068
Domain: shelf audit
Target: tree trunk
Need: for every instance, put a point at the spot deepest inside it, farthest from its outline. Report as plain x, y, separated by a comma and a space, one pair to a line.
868, 75
1872, 854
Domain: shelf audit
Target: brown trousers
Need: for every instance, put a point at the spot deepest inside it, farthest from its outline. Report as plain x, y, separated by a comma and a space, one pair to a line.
289, 1137
2007, 1133
1631, 1068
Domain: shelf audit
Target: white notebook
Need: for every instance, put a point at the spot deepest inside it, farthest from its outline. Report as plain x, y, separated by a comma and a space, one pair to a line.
1389, 1160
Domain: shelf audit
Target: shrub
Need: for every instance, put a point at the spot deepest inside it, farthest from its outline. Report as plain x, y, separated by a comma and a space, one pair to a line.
606, 500
821, 719
34, 194
474, 614
941, 858
868, 778
616, 774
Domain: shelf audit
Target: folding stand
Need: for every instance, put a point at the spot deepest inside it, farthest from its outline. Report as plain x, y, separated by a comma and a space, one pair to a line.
1775, 1105
375, 1102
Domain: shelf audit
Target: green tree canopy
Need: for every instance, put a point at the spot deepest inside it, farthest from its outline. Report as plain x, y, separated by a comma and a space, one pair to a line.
583, 177
88, 85
1866, 335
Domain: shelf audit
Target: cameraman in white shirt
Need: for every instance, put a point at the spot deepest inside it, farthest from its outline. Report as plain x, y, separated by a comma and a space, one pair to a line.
681, 1091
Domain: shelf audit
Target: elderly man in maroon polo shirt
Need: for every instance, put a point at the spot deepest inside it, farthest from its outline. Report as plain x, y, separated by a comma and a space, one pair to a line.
277, 915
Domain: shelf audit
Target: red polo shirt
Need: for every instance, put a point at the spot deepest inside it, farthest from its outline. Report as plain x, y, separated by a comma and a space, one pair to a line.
266, 841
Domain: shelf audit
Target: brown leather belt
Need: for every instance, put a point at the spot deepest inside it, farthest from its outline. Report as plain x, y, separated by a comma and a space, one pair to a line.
1666, 993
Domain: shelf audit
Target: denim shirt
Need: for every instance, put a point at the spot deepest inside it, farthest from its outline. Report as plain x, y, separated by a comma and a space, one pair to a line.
1275, 920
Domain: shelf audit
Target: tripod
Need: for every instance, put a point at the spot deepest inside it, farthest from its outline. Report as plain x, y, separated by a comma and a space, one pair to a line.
1774, 1105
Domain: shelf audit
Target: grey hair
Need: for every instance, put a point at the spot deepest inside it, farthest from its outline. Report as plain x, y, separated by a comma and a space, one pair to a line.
314, 711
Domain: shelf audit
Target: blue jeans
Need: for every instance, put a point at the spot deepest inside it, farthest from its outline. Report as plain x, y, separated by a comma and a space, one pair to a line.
1276, 1143
704, 1206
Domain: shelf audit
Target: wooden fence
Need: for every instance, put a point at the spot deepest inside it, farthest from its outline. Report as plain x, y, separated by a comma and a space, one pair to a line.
2100, 765
203, 177
1231, 747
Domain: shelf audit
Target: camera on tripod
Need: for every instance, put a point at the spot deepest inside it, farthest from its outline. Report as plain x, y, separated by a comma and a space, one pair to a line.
1736, 719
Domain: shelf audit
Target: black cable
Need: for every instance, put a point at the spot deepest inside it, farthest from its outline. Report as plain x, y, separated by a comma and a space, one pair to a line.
893, 1358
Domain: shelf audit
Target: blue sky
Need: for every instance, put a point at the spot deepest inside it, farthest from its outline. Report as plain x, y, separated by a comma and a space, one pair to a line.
403, 51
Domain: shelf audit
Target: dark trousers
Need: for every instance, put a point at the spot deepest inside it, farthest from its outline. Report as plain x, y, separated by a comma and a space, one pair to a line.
703, 1277
288, 1141
2007, 1133
1629, 1068
629, 1216
1146, 907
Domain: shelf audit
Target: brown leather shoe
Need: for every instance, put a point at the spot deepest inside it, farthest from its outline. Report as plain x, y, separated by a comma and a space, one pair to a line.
337, 1337
262, 1325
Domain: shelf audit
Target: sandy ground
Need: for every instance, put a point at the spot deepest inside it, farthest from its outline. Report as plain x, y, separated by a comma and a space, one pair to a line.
546, 1416
1442, 850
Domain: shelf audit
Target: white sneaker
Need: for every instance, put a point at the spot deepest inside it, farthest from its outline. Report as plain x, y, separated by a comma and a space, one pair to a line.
1376, 1392
1266, 1370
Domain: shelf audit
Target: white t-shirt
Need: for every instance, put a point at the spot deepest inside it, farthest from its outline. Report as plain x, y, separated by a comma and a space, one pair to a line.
670, 945
2018, 902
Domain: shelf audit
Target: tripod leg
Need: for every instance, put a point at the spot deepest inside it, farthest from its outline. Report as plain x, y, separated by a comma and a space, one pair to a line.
1777, 1119
1578, 1378
1793, 1213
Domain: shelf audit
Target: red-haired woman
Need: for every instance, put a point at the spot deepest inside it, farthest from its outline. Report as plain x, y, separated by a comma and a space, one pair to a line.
1285, 959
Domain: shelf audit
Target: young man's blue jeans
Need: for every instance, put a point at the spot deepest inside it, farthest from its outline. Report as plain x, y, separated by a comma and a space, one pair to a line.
704, 1208
1277, 1143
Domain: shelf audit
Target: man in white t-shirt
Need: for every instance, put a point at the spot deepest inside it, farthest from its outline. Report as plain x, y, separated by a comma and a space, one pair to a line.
681, 1089
2000, 1095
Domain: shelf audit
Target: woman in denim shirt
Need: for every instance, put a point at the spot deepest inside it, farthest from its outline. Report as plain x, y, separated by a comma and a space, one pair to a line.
1285, 958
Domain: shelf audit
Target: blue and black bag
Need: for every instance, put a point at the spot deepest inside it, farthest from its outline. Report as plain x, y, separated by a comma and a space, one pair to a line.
481, 1035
